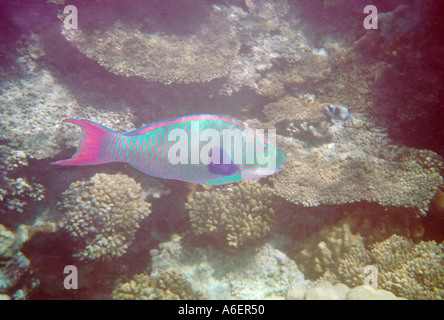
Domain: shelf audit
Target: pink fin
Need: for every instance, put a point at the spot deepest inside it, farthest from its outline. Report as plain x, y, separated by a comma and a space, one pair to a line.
91, 145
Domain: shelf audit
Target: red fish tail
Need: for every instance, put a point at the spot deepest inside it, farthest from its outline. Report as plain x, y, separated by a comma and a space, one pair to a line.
92, 142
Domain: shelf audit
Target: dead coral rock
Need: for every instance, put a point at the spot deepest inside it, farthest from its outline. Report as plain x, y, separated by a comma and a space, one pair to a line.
104, 213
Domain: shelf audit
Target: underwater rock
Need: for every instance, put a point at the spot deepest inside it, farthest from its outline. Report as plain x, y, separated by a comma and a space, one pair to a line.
367, 293
235, 215
256, 273
324, 290
104, 214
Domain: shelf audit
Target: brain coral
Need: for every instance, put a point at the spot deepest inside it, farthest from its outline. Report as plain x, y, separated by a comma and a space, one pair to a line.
168, 285
235, 215
200, 57
104, 212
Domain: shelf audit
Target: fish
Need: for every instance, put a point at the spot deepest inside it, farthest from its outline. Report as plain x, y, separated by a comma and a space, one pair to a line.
339, 112
174, 149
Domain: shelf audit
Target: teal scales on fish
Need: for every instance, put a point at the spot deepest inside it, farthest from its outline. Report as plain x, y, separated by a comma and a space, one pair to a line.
147, 149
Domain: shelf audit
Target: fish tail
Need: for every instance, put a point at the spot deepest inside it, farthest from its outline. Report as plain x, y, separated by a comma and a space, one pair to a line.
92, 143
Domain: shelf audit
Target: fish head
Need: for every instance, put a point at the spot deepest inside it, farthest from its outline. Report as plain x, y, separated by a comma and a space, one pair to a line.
330, 110
268, 161
337, 112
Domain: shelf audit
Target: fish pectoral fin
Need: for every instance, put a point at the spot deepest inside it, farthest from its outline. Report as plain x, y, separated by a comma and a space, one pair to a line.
221, 162
225, 169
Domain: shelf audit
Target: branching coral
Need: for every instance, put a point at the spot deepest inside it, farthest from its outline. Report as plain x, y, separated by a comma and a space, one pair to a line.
105, 213
16, 193
413, 271
16, 278
168, 285
235, 215
200, 57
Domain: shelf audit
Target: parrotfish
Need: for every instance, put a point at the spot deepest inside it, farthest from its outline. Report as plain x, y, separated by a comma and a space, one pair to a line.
181, 149
339, 112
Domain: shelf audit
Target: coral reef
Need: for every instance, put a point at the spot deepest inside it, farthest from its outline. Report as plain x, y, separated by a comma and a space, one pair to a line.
234, 215
271, 44
358, 165
340, 256
16, 193
16, 279
300, 117
318, 255
201, 57
104, 212
33, 107
409, 43
413, 271
256, 273
33, 102
377, 224
165, 286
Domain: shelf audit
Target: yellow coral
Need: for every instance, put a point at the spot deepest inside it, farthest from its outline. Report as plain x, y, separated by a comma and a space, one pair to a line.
105, 213
236, 215
169, 285
413, 271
